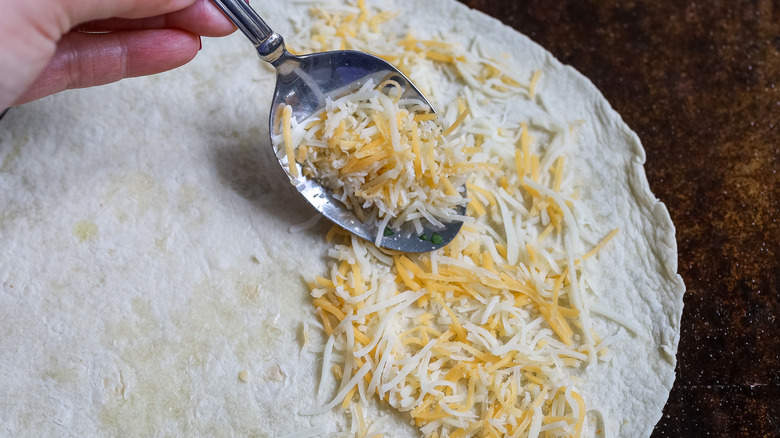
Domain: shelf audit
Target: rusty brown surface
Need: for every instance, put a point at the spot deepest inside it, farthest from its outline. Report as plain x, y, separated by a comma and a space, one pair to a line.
700, 83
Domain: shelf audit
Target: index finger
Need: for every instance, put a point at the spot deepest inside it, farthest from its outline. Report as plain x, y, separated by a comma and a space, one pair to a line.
202, 18
82, 11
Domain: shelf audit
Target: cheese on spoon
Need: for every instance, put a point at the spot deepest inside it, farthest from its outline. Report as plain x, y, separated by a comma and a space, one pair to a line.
386, 158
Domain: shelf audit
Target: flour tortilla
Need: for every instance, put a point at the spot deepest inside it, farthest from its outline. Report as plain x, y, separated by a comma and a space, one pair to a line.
147, 257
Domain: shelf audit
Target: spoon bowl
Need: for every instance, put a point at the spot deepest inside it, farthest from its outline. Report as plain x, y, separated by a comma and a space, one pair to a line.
306, 83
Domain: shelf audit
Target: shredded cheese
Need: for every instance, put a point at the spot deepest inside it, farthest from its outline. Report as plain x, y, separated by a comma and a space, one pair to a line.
482, 337
384, 157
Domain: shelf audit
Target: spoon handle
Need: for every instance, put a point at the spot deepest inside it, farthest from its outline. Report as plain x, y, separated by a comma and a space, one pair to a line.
268, 43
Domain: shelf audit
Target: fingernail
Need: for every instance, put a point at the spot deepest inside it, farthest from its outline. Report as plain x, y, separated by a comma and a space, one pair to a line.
200, 43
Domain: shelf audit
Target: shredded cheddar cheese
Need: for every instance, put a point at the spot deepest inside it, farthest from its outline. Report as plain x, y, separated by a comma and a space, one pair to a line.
484, 336
386, 158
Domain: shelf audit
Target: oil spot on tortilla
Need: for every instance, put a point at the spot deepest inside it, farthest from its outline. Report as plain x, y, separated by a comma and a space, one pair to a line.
85, 230
13, 154
161, 245
134, 194
62, 370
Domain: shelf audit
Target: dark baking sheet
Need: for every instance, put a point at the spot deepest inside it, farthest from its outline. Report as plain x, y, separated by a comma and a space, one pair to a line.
700, 83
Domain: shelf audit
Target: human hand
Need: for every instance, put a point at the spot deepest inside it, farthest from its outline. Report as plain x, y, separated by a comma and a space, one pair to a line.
47, 46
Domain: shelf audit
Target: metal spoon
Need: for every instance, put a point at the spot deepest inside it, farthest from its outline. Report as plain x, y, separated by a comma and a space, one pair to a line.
304, 83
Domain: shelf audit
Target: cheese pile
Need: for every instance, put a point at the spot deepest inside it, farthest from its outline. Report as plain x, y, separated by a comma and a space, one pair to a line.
485, 336
386, 158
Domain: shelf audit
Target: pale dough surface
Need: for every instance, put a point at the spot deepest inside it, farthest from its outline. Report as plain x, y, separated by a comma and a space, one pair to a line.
146, 258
